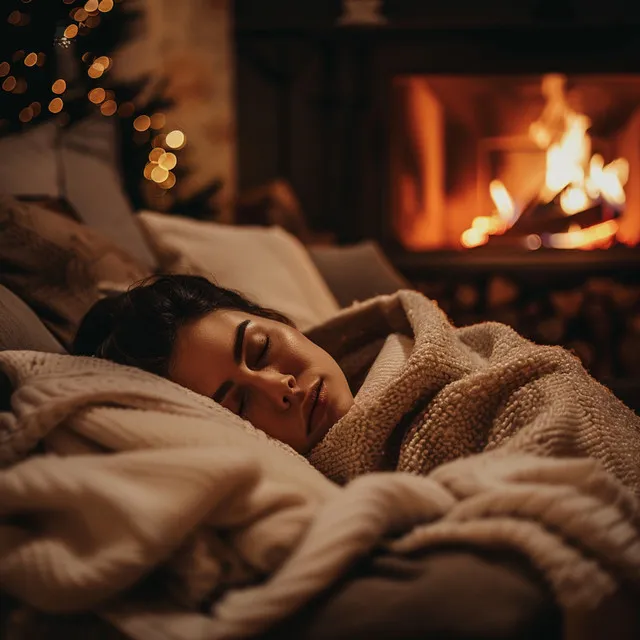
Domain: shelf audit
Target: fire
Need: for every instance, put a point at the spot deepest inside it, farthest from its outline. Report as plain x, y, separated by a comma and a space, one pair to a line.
573, 176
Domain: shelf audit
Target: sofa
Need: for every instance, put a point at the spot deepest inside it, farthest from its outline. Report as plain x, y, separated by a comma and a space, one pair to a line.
64, 244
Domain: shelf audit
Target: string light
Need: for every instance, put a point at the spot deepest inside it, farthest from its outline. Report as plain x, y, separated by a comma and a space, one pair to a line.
79, 14
105, 6
31, 59
26, 115
41, 59
175, 139
142, 123
158, 120
9, 83
97, 95
91, 5
36, 108
71, 31
55, 106
155, 154
108, 108
5, 67
59, 86
170, 182
168, 161
159, 174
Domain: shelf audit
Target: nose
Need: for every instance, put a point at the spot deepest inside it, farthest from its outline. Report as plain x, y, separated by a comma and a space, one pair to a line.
282, 390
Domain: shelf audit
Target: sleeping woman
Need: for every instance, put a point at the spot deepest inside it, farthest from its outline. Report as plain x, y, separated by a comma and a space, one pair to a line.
386, 384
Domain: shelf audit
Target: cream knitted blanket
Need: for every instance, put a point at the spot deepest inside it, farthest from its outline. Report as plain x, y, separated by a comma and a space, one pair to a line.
458, 392
148, 475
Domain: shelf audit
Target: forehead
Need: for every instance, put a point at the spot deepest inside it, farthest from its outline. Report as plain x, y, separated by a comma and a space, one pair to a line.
202, 357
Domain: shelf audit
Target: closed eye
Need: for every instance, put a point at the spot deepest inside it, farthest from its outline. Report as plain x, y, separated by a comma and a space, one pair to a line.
264, 352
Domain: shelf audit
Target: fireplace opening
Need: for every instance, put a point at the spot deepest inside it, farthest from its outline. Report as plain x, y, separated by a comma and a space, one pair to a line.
525, 162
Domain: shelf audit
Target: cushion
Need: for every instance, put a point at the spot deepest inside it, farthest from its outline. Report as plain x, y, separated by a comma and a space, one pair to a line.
268, 264
57, 266
93, 187
357, 272
78, 164
20, 327
28, 164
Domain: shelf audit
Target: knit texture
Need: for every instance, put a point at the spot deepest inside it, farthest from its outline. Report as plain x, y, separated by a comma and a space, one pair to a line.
462, 391
148, 475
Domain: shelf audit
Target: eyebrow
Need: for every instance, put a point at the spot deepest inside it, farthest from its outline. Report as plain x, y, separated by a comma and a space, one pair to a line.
238, 343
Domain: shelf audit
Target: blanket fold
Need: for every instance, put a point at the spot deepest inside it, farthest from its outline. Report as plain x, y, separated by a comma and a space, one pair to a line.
497, 443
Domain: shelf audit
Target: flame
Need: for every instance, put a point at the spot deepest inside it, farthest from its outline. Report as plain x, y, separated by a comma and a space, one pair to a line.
578, 179
503, 201
473, 238
577, 238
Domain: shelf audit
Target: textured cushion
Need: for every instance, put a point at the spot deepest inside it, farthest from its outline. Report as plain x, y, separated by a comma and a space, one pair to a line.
78, 164
28, 162
357, 272
93, 187
268, 265
56, 265
20, 327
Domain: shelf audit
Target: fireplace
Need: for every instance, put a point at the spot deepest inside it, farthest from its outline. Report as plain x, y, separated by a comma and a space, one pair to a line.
523, 161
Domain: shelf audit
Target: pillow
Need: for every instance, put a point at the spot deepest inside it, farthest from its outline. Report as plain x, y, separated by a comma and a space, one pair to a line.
357, 272
93, 187
20, 327
268, 265
57, 265
78, 164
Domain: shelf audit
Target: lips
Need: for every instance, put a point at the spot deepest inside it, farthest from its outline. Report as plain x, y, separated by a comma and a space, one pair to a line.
315, 396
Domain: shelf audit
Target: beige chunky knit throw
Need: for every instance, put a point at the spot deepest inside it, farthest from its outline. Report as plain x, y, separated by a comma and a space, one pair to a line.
455, 392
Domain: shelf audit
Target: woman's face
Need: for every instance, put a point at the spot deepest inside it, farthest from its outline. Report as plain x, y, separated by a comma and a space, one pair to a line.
265, 371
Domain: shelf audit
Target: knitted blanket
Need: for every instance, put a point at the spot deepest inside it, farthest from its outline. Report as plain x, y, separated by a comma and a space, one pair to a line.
451, 392
149, 476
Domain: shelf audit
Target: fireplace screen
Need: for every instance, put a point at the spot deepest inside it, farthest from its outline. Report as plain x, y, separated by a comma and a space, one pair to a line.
516, 161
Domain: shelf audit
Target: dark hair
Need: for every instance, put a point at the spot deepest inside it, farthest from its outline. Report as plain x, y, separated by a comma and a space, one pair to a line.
139, 327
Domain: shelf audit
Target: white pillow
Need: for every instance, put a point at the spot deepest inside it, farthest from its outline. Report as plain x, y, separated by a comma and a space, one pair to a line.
267, 264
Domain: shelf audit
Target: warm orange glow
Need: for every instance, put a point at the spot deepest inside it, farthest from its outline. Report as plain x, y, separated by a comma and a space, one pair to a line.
473, 238
36, 108
97, 95
9, 83
168, 161
169, 182
155, 154
158, 174
59, 86
41, 59
108, 108
142, 123
590, 238
149, 167
91, 5
26, 114
503, 201
31, 59
533, 242
158, 120
95, 71
71, 31
175, 139
574, 200
105, 6
55, 106
5, 67
79, 15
